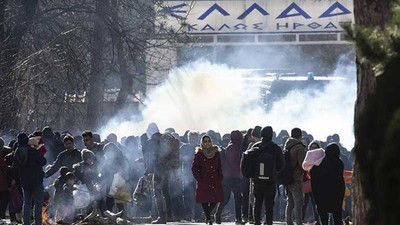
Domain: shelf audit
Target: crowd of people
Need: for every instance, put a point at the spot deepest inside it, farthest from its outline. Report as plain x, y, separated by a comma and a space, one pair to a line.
170, 177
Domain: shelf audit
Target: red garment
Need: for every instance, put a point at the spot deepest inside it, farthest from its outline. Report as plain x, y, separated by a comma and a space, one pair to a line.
3, 171
42, 150
233, 152
208, 175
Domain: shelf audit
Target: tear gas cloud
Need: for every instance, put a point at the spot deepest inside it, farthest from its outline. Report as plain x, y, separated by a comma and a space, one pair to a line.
202, 96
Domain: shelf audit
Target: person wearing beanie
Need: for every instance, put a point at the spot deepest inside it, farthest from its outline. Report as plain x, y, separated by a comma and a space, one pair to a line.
256, 134
67, 158
255, 138
265, 189
28, 167
294, 192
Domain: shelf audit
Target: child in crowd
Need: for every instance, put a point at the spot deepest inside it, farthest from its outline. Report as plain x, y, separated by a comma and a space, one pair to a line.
59, 187
66, 211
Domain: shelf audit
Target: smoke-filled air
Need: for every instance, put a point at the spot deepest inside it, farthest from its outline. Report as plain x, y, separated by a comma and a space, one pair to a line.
202, 96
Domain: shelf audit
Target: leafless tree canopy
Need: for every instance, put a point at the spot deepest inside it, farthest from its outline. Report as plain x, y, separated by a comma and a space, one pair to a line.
57, 58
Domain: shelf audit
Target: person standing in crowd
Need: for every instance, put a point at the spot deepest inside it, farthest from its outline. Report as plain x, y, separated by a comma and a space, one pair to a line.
266, 178
207, 170
67, 158
28, 163
153, 158
4, 183
114, 162
309, 197
294, 192
232, 177
93, 146
256, 134
50, 143
256, 137
189, 185
328, 186
245, 186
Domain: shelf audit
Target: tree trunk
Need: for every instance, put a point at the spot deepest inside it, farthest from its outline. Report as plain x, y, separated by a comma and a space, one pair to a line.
367, 14
125, 76
95, 96
10, 42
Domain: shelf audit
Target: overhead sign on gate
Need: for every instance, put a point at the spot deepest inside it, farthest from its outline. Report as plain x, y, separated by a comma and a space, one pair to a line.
258, 16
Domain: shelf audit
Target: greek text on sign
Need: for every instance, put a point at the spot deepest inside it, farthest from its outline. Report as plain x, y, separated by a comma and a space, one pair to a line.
259, 16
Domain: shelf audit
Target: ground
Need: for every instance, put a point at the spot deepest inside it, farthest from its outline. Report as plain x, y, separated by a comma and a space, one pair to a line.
188, 223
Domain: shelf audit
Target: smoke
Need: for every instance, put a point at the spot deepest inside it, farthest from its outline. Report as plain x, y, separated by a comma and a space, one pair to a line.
203, 96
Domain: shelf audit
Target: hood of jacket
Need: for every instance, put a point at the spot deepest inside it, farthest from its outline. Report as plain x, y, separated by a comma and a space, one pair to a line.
236, 138
332, 151
292, 142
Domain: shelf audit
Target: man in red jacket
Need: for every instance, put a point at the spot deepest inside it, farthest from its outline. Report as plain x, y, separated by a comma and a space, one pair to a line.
232, 177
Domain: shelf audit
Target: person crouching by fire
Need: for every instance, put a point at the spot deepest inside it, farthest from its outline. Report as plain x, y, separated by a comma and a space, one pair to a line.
59, 188
66, 213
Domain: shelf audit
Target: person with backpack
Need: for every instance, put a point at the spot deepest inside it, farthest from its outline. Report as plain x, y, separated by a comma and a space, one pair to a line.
268, 163
232, 179
255, 138
292, 176
328, 185
207, 170
28, 167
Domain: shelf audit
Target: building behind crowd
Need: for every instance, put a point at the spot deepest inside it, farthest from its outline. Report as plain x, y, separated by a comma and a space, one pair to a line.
291, 36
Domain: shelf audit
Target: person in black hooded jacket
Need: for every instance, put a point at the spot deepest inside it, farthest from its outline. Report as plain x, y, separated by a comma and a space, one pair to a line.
327, 185
28, 167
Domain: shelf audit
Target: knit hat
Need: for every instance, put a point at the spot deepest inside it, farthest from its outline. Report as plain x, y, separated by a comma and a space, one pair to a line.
266, 133
256, 132
22, 138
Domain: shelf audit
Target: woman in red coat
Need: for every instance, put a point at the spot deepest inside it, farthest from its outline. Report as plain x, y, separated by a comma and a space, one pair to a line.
207, 171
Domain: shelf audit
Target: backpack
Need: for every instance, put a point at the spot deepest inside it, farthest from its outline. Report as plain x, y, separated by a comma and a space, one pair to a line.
247, 165
285, 177
265, 168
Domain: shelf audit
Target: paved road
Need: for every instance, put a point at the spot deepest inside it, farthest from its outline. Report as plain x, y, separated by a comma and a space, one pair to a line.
189, 223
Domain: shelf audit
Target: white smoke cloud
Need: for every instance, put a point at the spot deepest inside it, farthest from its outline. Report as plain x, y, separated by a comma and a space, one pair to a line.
203, 96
